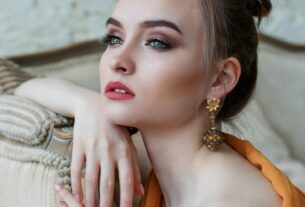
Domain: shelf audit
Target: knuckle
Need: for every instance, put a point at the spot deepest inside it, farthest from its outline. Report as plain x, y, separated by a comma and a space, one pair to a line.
107, 184
90, 180
75, 173
89, 202
127, 202
107, 146
109, 135
62, 204
92, 142
103, 204
128, 182
63, 193
138, 177
125, 151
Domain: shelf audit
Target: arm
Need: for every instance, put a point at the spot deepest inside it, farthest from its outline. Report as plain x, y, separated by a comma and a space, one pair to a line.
93, 136
60, 98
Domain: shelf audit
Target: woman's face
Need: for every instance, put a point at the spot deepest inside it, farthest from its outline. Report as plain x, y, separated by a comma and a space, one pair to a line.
156, 50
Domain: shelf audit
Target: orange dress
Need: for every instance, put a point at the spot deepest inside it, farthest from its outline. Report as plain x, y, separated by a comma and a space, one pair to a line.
291, 195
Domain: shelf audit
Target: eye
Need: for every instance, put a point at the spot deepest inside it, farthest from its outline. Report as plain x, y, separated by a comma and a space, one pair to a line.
158, 44
112, 40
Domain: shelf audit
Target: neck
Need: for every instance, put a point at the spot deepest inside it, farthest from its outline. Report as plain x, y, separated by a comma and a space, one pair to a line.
173, 152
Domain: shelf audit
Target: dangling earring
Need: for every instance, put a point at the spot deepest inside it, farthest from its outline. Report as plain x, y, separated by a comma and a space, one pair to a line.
213, 137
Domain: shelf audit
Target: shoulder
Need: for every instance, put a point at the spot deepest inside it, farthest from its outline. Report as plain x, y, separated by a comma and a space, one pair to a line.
240, 203
236, 182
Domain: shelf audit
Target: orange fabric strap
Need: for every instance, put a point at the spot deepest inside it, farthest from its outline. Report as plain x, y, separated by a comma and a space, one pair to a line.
291, 195
153, 195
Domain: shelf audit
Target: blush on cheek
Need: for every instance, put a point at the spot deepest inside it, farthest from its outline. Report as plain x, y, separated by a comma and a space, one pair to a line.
174, 95
186, 83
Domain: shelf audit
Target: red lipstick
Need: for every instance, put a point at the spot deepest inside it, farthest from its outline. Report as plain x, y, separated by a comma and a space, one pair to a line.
118, 91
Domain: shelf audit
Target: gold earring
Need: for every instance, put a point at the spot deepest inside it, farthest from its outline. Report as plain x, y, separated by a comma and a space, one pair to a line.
213, 137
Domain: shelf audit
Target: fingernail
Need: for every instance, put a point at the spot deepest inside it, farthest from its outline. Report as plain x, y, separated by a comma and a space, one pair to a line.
142, 189
58, 187
78, 197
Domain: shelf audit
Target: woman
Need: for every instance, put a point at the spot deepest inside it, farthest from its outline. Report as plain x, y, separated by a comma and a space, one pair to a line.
172, 70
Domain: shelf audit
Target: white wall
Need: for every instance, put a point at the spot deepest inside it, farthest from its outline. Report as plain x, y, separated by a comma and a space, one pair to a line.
287, 21
27, 26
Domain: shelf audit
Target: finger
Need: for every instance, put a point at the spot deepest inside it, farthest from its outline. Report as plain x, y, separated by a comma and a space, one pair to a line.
107, 181
78, 158
62, 204
91, 180
138, 187
67, 196
126, 181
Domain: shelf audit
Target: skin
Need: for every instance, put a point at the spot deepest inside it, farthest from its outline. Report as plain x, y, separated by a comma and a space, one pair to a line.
168, 84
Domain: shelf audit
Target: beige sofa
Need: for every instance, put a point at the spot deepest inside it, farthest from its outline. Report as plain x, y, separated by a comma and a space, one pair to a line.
35, 143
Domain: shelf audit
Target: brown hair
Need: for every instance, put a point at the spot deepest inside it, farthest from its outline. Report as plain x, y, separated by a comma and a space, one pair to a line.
230, 31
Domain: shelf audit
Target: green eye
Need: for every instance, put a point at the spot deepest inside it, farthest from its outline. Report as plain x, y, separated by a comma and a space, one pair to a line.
112, 40
115, 40
154, 43
157, 44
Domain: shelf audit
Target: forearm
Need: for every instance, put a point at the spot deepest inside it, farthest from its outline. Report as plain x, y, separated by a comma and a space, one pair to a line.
58, 95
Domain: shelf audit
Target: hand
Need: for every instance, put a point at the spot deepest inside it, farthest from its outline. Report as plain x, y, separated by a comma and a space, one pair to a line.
67, 198
104, 147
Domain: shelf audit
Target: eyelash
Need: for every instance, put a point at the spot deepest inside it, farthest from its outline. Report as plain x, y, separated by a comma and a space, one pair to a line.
164, 45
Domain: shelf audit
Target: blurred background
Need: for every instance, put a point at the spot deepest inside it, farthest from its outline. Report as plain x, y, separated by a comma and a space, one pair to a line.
275, 119
28, 26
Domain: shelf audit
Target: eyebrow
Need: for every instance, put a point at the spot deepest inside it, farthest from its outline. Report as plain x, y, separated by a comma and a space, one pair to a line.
148, 23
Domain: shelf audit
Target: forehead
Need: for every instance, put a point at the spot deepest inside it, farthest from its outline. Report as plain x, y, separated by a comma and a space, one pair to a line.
184, 13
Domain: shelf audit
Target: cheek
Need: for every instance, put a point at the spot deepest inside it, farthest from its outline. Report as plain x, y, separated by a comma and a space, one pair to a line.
176, 85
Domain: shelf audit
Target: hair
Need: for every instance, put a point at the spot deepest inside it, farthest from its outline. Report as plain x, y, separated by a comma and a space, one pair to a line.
230, 31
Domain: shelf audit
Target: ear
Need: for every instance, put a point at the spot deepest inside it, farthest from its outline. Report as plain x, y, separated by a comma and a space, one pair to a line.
226, 78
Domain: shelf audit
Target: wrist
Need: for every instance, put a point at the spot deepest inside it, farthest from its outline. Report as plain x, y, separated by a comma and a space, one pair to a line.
86, 99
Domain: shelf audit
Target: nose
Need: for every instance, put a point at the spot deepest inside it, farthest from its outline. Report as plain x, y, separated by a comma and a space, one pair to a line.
122, 62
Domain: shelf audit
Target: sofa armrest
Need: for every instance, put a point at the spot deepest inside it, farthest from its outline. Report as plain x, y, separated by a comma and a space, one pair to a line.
33, 137
35, 145
11, 76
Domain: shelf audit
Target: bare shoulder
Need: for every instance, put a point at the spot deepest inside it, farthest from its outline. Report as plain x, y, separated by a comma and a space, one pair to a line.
238, 203
236, 182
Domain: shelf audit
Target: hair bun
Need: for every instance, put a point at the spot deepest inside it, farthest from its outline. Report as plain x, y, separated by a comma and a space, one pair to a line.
259, 8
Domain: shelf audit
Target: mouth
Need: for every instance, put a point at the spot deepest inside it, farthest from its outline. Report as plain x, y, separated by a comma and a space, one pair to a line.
118, 91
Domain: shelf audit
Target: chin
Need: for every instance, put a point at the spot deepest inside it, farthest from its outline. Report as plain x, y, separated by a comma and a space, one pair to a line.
122, 115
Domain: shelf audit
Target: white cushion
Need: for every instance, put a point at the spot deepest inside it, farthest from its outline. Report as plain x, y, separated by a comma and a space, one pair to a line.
274, 120
281, 94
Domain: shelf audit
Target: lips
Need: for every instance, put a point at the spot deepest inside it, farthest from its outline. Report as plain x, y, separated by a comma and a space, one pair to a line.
118, 91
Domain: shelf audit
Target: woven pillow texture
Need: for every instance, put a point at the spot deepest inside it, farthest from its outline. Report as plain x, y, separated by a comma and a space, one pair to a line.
29, 163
